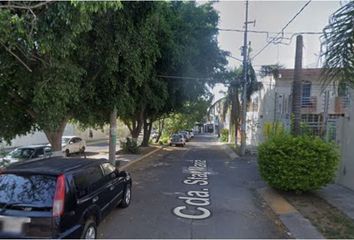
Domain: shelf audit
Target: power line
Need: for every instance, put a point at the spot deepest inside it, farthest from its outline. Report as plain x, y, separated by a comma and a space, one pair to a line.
282, 30
267, 32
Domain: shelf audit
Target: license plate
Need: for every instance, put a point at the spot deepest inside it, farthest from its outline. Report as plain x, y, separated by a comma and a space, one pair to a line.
13, 224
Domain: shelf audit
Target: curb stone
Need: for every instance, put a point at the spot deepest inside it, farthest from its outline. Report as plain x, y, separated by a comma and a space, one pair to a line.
298, 226
229, 151
141, 158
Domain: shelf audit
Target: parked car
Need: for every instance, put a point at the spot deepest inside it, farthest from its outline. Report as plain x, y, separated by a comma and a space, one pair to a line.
60, 197
190, 133
177, 140
72, 144
154, 134
186, 135
26, 153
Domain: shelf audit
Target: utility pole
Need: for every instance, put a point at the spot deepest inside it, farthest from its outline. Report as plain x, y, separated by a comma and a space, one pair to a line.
297, 91
244, 90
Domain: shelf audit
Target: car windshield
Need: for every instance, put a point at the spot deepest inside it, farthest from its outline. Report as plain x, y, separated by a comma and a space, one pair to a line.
27, 189
65, 140
21, 153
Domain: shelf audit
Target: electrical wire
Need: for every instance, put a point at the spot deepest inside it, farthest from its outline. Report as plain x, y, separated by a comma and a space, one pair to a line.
282, 30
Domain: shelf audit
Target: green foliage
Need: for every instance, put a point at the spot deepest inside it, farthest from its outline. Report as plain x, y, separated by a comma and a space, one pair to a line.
164, 140
272, 129
301, 163
338, 39
130, 146
224, 136
272, 70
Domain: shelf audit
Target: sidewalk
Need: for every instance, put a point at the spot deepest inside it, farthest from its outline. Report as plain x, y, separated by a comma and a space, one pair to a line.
340, 197
128, 159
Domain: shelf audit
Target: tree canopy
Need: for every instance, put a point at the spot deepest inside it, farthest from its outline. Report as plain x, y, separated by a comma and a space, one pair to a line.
78, 61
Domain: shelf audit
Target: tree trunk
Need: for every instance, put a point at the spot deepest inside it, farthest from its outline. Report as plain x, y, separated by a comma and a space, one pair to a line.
147, 133
296, 101
54, 137
161, 126
135, 124
113, 136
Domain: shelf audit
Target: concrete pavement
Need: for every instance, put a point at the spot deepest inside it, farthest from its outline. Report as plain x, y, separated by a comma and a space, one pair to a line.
340, 197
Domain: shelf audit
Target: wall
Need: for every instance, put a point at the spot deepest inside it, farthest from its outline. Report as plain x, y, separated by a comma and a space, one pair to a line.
39, 137
345, 139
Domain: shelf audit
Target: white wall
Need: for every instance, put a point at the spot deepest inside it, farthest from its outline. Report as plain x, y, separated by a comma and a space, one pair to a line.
345, 139
39, 137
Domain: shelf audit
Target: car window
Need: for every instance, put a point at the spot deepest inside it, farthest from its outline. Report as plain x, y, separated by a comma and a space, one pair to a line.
39, 153
108, 168
21, 153
65, 140
48, 151
27, 189
87, 180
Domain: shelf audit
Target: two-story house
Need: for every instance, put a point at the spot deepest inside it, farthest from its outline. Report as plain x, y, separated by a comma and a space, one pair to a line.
321, 105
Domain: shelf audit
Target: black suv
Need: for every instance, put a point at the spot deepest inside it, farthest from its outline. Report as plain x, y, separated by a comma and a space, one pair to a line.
60, 197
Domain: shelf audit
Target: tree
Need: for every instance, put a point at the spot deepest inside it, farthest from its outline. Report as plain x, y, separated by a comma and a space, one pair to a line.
338, 40
231, 100
185, 34
42, 84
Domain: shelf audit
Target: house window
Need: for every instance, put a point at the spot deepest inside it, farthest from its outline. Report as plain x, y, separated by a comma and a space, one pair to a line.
306, 94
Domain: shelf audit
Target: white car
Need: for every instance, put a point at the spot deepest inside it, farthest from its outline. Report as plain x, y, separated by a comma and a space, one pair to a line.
188, 136
72, 144
177, 140
190, 133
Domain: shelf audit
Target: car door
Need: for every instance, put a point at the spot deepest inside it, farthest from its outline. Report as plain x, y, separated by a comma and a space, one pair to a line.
71, 145
89, 188
114, 182
76, 145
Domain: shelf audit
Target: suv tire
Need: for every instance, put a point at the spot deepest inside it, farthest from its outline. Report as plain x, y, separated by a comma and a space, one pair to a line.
90, 230
127, 196
82, 150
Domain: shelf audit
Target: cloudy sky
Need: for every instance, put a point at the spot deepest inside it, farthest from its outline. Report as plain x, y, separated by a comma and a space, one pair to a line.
272, 16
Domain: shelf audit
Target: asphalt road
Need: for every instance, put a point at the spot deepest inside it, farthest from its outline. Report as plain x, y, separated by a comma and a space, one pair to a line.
170, 199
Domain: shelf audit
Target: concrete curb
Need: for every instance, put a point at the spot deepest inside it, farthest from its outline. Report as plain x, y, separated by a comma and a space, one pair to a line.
141, 158
298, 226
229, 151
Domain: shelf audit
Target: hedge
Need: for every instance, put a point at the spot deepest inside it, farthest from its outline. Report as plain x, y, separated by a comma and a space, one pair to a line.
301, 163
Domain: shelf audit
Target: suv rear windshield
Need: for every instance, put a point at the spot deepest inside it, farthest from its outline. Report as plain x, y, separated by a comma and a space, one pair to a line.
35, 190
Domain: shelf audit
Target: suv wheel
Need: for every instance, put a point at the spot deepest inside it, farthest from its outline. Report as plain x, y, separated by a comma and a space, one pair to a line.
90, 230
126, 197
67, 153
82, 150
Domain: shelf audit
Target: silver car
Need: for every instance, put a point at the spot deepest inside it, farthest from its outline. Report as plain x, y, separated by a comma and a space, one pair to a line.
177, 140
26, 153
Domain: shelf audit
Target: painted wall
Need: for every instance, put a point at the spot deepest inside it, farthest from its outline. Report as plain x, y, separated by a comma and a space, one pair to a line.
345, 139
39, 137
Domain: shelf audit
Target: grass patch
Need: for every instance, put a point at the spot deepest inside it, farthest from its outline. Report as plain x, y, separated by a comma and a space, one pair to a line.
331, 222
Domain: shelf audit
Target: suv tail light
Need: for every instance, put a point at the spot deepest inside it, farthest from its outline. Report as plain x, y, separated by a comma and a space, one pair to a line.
59, 197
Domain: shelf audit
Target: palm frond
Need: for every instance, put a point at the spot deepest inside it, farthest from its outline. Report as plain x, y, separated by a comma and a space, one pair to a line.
338, 40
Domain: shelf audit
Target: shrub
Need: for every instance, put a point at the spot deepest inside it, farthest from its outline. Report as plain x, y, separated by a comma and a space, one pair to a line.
164, 140
299, 164
271, 129
130, 146
224, 136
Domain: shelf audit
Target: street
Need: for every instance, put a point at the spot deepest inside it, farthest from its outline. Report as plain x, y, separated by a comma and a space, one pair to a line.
193, 192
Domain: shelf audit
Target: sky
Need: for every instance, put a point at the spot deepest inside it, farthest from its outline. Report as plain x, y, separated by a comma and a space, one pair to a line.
272, 16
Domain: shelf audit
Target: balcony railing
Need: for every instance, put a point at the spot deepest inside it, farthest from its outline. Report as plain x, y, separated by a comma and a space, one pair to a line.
308, 104
342, 104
